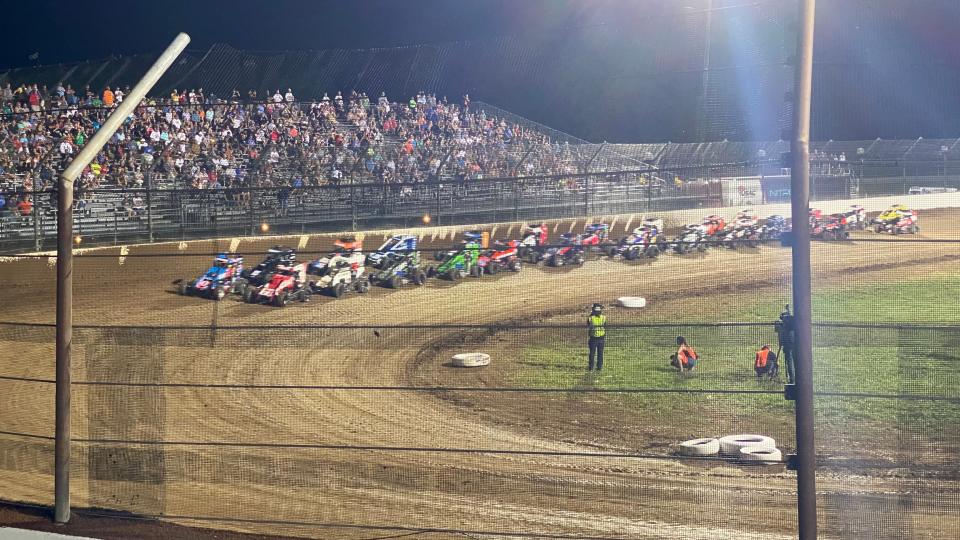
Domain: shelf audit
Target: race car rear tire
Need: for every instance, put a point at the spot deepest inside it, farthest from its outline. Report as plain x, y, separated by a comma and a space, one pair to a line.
363, 286
280, 300
579, 260
611, 251
878, 229
493, 268
395, 282
653, 252
533, 257
431, 272
476, 271
515, 265
249, 294
453, 274
419, 278
914, 229
556, 260
630, 255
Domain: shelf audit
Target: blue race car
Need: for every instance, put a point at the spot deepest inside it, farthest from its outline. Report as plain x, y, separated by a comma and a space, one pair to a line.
218, 281
396, 248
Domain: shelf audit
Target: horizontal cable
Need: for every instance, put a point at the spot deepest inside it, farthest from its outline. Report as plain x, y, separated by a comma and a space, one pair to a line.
404, 449
442, 326
329, 525
27, 435
494, 327
490, 389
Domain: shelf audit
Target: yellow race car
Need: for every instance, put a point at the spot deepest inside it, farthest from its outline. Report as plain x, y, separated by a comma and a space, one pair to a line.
897, 219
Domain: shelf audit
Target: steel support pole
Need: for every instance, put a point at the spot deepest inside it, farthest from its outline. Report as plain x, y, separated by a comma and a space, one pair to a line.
61, 474
36, 217
800, 200
149, 178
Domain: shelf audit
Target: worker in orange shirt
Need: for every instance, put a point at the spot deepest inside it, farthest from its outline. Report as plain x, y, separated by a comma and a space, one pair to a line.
686, 357
765, 363
108, 97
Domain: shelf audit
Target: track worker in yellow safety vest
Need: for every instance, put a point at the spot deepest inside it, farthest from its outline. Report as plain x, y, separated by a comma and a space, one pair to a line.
596, 323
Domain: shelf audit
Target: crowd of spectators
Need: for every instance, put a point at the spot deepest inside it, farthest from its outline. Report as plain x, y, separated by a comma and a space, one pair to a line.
193, 139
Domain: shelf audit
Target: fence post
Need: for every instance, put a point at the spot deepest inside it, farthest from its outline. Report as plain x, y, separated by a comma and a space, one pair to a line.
252, 212
353, 207
586, 195
149, 178
36, 219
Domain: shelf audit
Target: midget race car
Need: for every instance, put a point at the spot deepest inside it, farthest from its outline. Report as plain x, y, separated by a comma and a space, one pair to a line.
743, 232
898, 219
287, 283
570, 251
503, 255
396, 262
830, 227
532, 245
458, 264
218, 281
643, 242
343, 272
341, 246
261, 274
692, 237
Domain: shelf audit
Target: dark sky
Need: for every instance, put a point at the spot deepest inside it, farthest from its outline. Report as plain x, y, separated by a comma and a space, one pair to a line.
63, 31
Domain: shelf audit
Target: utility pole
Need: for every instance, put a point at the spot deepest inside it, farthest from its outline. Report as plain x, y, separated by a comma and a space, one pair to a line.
806, 462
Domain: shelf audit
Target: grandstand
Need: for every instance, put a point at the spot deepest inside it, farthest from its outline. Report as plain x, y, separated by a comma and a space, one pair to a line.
189, 163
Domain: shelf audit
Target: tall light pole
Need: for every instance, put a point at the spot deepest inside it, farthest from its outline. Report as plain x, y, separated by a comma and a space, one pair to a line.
806, 462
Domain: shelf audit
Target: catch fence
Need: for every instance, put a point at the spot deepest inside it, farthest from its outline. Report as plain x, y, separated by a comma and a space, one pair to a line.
259, 412
122, 216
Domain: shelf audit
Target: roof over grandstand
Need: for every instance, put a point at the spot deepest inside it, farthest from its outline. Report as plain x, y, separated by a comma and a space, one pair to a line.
616, 70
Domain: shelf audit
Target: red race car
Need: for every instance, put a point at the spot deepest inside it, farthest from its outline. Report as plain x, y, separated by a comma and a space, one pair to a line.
832, 227
288, 283
713, 225
503, 255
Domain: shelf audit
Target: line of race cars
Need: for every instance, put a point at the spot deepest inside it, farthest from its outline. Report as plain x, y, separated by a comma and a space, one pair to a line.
279, 278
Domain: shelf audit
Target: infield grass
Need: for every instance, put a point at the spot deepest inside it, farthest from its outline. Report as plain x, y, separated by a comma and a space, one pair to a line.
882, 361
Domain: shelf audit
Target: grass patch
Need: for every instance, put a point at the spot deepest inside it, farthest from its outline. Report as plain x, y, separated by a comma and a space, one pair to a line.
871, 361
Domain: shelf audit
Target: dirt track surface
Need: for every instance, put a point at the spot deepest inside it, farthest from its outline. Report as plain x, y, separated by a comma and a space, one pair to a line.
390, 477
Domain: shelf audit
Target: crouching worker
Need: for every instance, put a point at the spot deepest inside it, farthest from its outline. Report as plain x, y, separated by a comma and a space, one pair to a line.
686, 357
765, 363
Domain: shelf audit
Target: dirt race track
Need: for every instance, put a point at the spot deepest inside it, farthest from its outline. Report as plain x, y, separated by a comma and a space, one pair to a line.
329, 460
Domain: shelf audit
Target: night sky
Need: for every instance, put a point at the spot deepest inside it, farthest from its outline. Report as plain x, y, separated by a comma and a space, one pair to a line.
63, 31
888, 68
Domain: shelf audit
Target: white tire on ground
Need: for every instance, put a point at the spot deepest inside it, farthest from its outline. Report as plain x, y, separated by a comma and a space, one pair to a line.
470, 359
731, 444
632, 301
763, 455
700, 447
